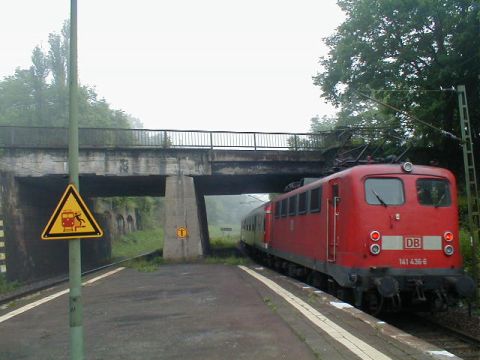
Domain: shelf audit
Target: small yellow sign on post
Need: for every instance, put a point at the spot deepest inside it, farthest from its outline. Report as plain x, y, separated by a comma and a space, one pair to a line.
71, 219
182, 232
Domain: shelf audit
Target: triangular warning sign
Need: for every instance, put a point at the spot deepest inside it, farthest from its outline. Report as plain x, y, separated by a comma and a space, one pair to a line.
71, 219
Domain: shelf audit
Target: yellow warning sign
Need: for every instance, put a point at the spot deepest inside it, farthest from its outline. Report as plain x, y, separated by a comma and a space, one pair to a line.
182, 232
71, 219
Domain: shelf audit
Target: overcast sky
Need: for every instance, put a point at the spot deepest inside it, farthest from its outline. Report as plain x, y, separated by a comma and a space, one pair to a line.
243, 65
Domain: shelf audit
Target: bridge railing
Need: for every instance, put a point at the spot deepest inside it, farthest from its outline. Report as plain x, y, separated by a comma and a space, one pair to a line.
56, 137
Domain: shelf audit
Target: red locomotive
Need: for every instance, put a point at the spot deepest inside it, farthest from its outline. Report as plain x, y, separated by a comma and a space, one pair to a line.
383, 236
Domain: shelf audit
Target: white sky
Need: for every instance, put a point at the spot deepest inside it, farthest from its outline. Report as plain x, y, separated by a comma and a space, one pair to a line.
242, 65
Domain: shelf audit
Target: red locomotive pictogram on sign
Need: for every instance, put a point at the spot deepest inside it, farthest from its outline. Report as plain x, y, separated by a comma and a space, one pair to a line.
72, 221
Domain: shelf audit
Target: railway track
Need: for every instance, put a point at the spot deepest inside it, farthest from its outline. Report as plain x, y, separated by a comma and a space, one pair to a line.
40, 285
454, 341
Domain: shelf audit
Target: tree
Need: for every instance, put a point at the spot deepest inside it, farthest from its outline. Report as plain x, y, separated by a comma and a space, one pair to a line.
34, 98
39, 72
402, 53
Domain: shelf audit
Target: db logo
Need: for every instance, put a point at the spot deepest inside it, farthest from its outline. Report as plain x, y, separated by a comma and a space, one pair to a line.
413, 243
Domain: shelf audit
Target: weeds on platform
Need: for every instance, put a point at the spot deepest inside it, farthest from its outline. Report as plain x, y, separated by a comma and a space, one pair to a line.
270, 304
230, 260
144, 265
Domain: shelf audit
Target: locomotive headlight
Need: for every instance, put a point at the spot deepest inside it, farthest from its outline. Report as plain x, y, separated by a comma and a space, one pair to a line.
448, 236
448, 250
375, 249
375, 235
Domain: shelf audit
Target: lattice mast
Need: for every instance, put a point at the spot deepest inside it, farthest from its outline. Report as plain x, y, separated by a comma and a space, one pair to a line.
470, 180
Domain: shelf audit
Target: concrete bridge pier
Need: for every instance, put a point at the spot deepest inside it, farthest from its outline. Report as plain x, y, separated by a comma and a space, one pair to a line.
182, 212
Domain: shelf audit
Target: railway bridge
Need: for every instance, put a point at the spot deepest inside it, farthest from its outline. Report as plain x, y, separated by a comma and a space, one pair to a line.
183, 166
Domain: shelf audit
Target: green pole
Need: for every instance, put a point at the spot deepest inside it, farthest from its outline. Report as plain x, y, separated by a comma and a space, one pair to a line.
74, 251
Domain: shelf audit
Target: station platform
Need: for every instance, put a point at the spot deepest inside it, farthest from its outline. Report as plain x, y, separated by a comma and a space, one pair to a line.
200, 311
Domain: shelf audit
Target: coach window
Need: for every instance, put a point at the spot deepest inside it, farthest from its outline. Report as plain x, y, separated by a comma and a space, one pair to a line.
292, 205
433, 192
315, 200
277, 210
283, 211
302, 203
384, 191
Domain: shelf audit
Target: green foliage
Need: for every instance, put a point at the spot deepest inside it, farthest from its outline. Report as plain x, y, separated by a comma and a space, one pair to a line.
38, 96
466, 250
137, 243
7, 286
402, 53
150, 211
325, 123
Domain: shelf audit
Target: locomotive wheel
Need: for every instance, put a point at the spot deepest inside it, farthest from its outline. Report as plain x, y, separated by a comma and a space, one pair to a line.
345, 294
332, 287
373, 303
318, 280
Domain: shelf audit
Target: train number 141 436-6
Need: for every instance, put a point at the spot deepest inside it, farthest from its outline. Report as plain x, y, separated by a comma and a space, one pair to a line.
413, 261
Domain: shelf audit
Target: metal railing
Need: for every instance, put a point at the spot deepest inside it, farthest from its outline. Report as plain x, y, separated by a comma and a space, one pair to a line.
56, 137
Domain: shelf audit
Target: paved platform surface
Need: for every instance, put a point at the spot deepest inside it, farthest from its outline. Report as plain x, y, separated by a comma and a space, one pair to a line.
199, 311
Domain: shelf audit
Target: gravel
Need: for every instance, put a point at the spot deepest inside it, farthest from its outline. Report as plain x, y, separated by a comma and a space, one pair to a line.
459, 319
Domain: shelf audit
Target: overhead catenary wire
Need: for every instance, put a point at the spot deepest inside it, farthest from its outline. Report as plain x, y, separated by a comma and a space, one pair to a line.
403, 112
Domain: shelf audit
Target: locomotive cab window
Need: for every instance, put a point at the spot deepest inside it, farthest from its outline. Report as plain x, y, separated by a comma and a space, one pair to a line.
384, 191
433, 192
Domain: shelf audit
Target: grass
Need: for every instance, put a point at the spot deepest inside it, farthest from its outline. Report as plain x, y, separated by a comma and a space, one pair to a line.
7, 286
137, 242
229, 260
223, 243
224, 249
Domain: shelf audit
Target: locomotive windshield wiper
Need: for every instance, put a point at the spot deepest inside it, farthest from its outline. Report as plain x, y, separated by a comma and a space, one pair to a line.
439, 201
379, 198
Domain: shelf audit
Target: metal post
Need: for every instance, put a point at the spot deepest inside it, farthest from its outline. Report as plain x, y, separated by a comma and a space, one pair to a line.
471, 181
75, 271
